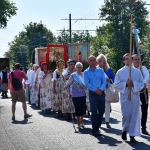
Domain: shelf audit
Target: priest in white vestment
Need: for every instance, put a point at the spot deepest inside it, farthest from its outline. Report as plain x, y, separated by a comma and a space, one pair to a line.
130, 105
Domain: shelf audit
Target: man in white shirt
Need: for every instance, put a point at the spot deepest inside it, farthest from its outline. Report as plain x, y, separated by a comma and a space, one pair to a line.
129, 86
28, 83
143, 92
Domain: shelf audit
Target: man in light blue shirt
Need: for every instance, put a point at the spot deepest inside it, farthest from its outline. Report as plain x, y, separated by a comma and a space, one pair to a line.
96, 82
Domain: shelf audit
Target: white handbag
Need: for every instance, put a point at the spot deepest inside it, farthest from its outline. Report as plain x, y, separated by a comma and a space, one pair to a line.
112, 94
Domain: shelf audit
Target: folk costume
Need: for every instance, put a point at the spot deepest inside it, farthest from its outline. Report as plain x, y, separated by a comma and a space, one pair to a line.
61, 97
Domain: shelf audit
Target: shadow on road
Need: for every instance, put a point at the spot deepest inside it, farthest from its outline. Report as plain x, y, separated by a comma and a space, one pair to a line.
114, 121
21, 122
146, 137
139, 146
104, 139
64, 117
112, 131
86, 131
34, 107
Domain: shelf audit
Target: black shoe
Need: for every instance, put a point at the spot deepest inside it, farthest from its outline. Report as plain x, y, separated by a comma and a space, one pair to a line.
132, 139
13, 118
124, 135
96, 133
59, 115
145, 132
89, 114
108, 125
27, 116
68, 117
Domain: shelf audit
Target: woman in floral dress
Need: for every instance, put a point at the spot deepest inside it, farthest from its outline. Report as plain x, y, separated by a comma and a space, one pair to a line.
61, 101
45, 82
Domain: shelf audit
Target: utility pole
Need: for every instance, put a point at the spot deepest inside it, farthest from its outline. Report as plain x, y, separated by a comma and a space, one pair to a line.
70, 28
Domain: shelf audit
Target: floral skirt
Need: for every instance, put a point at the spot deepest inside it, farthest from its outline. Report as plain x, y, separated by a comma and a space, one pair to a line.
61, 100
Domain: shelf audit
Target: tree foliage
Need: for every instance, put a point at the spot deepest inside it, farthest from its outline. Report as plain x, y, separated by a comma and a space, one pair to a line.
7, 10
22, 47
64, 37
145, 49
101, 40
18, 51
38, 35
116, 32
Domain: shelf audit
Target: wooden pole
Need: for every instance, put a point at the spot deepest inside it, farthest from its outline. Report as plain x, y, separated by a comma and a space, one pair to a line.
129, 88
141, 69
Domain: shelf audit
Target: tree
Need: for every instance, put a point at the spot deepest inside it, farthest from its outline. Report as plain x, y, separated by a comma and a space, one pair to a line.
101, 40
18, 51
117, 14
22, 47
38, 36
145, 49
7, 10
76, 37
63, 38
82, 37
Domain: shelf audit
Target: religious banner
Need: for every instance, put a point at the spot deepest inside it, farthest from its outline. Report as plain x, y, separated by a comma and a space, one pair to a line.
79, 51
56, 52
40, 54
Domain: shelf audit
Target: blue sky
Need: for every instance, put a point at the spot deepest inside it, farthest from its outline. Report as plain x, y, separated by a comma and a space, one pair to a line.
50, 12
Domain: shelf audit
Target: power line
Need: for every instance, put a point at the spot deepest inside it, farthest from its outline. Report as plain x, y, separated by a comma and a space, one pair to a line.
80, 19
70, 27
77, 30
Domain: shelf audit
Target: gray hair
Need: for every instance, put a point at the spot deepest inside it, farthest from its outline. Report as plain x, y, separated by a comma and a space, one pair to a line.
78, 64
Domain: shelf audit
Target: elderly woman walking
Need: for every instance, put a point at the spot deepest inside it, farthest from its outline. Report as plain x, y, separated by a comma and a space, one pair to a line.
78, 92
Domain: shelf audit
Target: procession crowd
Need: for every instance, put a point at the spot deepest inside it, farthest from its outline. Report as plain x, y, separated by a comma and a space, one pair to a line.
71, 90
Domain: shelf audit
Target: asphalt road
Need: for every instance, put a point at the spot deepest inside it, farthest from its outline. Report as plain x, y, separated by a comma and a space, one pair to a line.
46, 132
